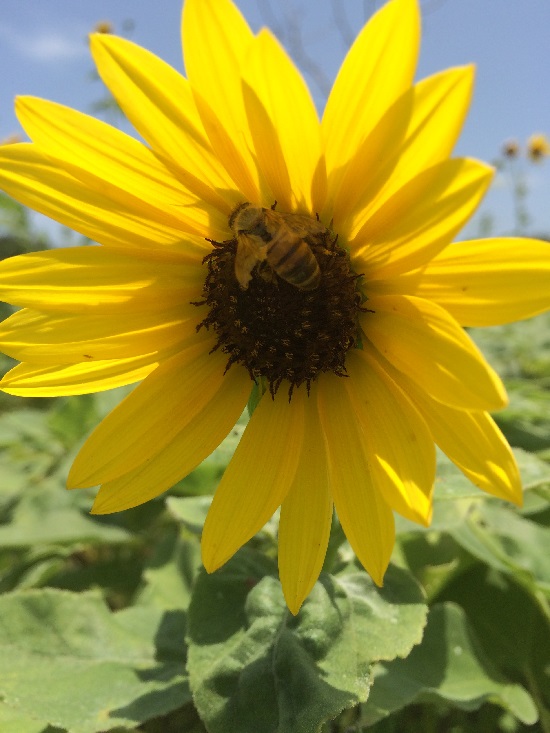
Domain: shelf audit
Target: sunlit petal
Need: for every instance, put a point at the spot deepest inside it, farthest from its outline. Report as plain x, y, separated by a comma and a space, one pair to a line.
420, 219
159, 103
85, 279
114, 164
396, 436
288, 143
152, 417
439, 107
260, 475
473, 442
306, 515
50, 338
485, 282
420, 339
206, 427
216, 39
35, 180
378, 68
58, 380
365, 516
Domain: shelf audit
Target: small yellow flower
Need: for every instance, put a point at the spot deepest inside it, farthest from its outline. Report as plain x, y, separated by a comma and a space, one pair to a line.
373, 355
538, 147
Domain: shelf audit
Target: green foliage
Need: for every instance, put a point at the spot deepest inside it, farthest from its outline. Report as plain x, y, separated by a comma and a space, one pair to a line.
83, 668
448, 666
253, 666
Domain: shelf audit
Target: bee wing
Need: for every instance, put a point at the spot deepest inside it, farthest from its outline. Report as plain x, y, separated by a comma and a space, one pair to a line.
249, 252
304, 226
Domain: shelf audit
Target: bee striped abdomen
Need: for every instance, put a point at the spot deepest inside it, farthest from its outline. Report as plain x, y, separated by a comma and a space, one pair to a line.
295, 263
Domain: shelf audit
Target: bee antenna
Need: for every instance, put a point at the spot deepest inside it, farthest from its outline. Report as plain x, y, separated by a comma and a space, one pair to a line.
274, 205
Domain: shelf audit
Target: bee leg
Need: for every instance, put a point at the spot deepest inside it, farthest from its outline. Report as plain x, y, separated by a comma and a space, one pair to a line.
218, 244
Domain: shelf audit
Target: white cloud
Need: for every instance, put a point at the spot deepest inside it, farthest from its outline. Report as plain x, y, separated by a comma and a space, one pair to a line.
46, 45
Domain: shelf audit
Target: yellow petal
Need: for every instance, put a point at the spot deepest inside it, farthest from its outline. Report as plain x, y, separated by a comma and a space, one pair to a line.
58, 380
85, 279
114, 164
154, 415
422, 340
365, 517
229, 154
216, 39
486, 282
288, 142
159, 102
420, 219
258, 478
197, 438
473, 442
35, 181
439, 107
395, 435
377, 155
378, 68
41, 338
418, 131
306, 514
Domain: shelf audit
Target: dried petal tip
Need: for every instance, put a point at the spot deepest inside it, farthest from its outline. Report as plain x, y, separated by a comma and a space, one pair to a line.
104, 26
510, 149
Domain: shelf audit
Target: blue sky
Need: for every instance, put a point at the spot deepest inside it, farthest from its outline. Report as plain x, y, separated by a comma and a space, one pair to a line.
43, 52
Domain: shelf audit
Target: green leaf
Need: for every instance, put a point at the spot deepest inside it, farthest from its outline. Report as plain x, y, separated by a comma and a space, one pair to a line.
71, 418
519, 349
47, 513
510, 625
28, 447
526, 420
449, 665
67, 661
12, 721
33, 568
191, 511
535, 473
170, 572
254, 667
503, 539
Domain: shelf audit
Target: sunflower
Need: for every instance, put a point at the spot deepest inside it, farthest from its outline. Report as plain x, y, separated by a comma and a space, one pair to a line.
538, 147
357, 377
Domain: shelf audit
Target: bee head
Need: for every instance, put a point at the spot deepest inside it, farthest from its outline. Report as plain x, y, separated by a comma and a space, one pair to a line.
235, 213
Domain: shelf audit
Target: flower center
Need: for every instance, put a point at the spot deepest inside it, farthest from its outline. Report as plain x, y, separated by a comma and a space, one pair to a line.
283, 298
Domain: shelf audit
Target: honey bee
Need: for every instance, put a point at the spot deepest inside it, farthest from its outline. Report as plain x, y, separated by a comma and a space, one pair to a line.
282, 240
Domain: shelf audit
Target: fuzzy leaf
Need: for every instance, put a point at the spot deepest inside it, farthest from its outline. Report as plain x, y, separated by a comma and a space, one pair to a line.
170, 572
449, 665
67, 661
254, 667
